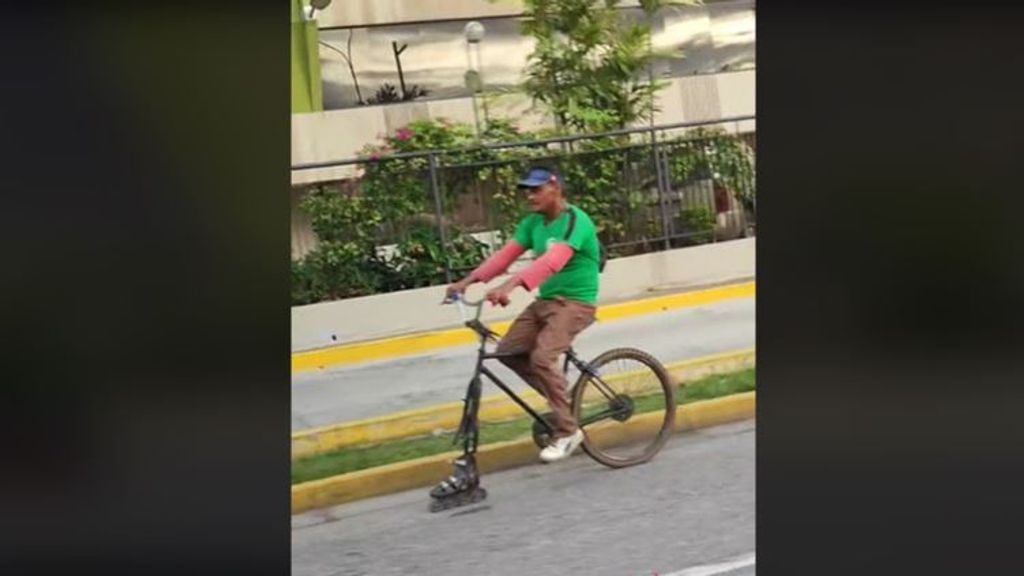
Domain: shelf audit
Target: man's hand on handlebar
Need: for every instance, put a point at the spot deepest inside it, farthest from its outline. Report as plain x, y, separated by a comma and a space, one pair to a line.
499, 295
458, 288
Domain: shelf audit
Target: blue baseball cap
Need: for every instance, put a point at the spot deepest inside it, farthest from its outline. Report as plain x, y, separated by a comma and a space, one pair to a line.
537, 177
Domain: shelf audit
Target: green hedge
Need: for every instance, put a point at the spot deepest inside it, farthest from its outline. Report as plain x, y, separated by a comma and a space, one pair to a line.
391, 203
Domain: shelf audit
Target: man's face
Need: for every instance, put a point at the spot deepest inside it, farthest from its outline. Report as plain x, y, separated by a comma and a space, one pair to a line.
544, 197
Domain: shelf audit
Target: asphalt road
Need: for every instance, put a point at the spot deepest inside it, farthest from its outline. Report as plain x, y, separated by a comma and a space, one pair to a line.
377, 388
689, 512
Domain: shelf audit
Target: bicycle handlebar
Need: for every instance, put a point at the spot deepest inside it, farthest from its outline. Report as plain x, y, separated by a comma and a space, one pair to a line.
463, 302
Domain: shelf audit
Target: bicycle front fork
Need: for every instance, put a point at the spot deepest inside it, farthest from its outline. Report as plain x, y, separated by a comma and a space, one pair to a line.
469, 427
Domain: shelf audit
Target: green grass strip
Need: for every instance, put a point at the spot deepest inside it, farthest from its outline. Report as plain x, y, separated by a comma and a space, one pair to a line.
352, 459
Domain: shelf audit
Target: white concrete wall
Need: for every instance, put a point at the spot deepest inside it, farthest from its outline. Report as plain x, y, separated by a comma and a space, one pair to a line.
370, 12
410, 311
341, 134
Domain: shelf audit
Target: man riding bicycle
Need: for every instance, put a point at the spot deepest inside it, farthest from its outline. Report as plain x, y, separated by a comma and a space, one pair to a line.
566, 268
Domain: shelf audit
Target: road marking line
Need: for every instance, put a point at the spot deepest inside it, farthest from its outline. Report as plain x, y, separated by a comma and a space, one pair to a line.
425, 472
412, 344
720, 568
493, 408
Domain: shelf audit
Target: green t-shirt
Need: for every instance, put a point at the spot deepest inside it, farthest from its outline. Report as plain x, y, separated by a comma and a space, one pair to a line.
578, 279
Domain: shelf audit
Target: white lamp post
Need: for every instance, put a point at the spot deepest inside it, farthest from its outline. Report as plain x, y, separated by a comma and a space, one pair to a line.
315, 5
474, 33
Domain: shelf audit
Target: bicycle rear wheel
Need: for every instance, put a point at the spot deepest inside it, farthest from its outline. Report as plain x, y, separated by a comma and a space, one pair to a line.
626, 407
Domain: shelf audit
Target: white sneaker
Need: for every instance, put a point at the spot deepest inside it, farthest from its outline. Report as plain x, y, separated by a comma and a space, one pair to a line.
562, 447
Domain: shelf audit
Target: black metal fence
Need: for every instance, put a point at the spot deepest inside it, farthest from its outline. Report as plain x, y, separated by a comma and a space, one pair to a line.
424, 218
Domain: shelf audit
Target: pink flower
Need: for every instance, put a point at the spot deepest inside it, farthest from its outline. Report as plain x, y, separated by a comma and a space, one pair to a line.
403, 134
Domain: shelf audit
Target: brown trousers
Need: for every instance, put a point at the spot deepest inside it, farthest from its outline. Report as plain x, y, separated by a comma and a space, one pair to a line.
542, 333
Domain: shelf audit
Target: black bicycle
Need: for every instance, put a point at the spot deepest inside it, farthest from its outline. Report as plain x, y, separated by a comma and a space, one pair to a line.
623, 400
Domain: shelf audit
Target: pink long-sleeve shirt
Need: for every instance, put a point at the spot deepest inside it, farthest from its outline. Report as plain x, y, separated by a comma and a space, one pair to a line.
533, 275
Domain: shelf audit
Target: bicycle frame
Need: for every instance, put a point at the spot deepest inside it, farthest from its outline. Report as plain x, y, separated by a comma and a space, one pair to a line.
468, 428
463, 486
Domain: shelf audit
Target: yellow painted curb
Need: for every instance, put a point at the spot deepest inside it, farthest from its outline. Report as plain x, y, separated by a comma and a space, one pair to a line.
429, 470
497, 408
426, 341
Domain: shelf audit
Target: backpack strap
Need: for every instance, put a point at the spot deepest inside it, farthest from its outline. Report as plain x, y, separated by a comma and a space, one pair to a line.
572, 223
600, 247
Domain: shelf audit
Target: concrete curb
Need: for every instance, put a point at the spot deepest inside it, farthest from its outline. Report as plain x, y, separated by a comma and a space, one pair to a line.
496, 408
423, 472
402, 346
